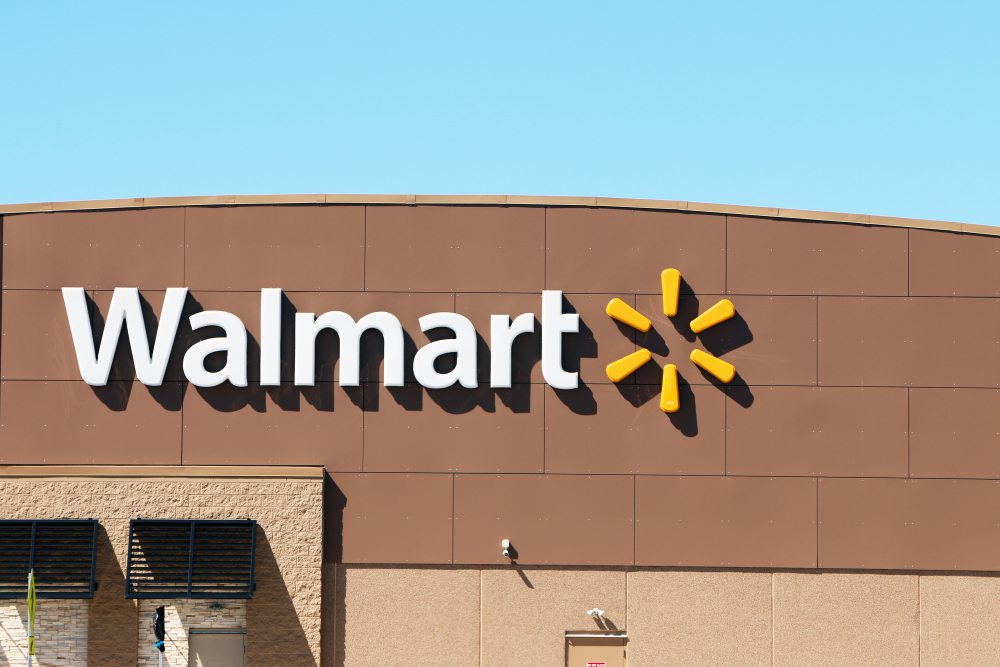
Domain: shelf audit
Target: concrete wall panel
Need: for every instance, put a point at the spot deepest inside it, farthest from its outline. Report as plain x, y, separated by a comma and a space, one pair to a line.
294, 248
404, 616
725, 521
786, 257
95, 250
447, 249
923, 524
699, 619
832, 431
616, 250
526, 613
835, 619
549, 519
958, 617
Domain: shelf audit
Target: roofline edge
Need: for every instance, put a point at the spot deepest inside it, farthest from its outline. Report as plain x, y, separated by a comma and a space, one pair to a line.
501, 200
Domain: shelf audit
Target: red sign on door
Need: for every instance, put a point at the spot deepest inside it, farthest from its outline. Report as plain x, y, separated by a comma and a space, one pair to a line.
597, 664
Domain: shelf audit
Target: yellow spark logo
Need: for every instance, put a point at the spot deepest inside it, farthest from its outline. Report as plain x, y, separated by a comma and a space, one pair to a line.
670, 396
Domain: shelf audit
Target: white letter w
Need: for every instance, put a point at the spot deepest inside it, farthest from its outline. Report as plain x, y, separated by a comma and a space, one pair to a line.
124, 306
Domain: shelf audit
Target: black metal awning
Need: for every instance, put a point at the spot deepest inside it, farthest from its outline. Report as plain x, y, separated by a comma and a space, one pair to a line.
61, 552
190, 559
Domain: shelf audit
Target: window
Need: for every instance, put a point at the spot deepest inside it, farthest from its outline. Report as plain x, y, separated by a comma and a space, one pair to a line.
60, 551
190, 559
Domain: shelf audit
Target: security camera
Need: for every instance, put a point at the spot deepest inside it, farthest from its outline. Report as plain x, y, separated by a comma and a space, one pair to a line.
595, 612
505, 545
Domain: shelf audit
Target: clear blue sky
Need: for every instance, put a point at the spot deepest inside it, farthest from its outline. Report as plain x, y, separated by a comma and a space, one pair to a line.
889, 108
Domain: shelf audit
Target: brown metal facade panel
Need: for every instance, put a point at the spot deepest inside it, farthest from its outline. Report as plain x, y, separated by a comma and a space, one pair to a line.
955, 433
292, 247
923, 524
919, 341
284, 425
391, 517
770, 340
866, 352
608, 250
411, 428
949, 264
600, 340
831, 431
622, 430
66, 422
101, 250
37, 344
785, 257
450, 249
564, 519
526, 351
725, 521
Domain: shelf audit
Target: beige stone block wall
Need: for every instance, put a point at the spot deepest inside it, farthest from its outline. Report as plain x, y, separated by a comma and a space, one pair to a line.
283, 619
959, 620
60, 633
837, 619
708, 618
408, 616
181, 617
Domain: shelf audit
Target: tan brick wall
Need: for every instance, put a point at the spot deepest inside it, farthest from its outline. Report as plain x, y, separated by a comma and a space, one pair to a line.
283, 619
60, 633
468, 616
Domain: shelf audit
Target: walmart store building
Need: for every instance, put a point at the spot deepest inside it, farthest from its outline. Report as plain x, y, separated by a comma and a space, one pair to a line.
493, 431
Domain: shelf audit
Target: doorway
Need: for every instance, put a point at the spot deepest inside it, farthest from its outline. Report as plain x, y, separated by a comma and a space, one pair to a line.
217, 649
595, 650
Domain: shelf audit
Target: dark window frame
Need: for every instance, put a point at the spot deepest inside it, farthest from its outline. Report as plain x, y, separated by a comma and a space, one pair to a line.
133, 588
56, 594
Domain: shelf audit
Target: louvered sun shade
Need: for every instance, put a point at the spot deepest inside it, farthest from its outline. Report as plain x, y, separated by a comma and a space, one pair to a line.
62, 553
190, 559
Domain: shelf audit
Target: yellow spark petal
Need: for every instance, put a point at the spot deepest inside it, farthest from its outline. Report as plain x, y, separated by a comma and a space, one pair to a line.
723, 370
720, 312
670, 399
621, 369
623, 312
671, 279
